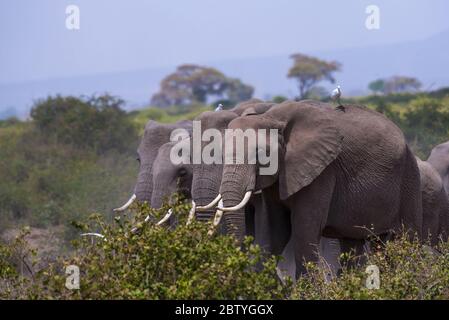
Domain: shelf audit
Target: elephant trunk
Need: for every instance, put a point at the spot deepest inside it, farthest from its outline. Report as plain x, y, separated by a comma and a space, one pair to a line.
234, 220
237, 181
144, 186
203, 197
158, 196
205, 188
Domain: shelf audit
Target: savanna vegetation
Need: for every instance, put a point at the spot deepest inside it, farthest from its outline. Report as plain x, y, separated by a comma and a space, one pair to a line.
64, 169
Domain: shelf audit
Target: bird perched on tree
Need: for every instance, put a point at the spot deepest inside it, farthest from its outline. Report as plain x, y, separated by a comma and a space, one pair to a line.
335, 95
219, 108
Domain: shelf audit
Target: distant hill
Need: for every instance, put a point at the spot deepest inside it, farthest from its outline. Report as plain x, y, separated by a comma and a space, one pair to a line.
428, 60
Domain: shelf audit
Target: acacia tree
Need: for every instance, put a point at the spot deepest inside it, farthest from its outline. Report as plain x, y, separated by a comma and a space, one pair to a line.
192, 83
309, 71
394, 84
397, 84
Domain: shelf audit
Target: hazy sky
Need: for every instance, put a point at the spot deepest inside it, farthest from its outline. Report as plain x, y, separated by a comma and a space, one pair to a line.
118, 35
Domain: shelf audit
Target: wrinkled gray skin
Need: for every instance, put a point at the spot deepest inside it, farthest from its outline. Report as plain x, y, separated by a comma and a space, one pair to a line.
169, 178
155, 135
339, 174
439, 159
435, 203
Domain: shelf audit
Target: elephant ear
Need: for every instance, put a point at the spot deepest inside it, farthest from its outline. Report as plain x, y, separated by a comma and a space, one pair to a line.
312, 142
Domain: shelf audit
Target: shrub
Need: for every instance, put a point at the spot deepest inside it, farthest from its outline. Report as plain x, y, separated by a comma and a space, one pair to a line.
408, 270
184, 262
96, 122
181, 262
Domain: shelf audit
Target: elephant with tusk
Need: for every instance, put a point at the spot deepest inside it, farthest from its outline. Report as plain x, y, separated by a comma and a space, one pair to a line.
155, 136
206, 186
341, 175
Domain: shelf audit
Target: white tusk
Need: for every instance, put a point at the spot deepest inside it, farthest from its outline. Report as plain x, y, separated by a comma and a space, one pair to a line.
218, 214
166, 217
258, 191
93, 234
210, 205
127, 204
191, 213
217, 219
239, 206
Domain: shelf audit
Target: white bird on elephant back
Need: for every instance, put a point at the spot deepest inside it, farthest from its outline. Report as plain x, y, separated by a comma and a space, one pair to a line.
335, 95
219, 107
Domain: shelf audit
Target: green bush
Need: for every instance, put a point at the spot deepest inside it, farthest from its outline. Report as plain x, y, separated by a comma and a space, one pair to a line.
161, 263
97, 122
45, 183
407, 269
185, 262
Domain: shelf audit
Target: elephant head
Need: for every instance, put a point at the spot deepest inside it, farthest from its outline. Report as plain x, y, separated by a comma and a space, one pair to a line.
155, 135
207, 176
306, 141
171, 175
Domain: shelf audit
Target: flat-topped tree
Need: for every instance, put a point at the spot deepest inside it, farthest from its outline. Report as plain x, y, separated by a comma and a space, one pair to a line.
309, 71
192, 83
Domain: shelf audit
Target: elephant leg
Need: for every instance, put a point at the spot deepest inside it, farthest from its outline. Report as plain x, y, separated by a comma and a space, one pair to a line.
330, 250
309, 211
273, 225
287, 266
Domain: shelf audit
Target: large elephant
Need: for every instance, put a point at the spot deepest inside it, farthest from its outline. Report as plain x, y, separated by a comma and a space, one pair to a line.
342, 174
439, 159
435, 203
155, 135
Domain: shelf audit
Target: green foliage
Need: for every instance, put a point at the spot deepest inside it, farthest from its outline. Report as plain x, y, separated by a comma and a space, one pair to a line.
161, 263
407, 269
97, 123
48, 182
426, 123
17, 261
185, 262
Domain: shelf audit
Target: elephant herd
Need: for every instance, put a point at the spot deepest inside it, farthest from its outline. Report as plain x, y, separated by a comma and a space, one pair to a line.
344, 175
